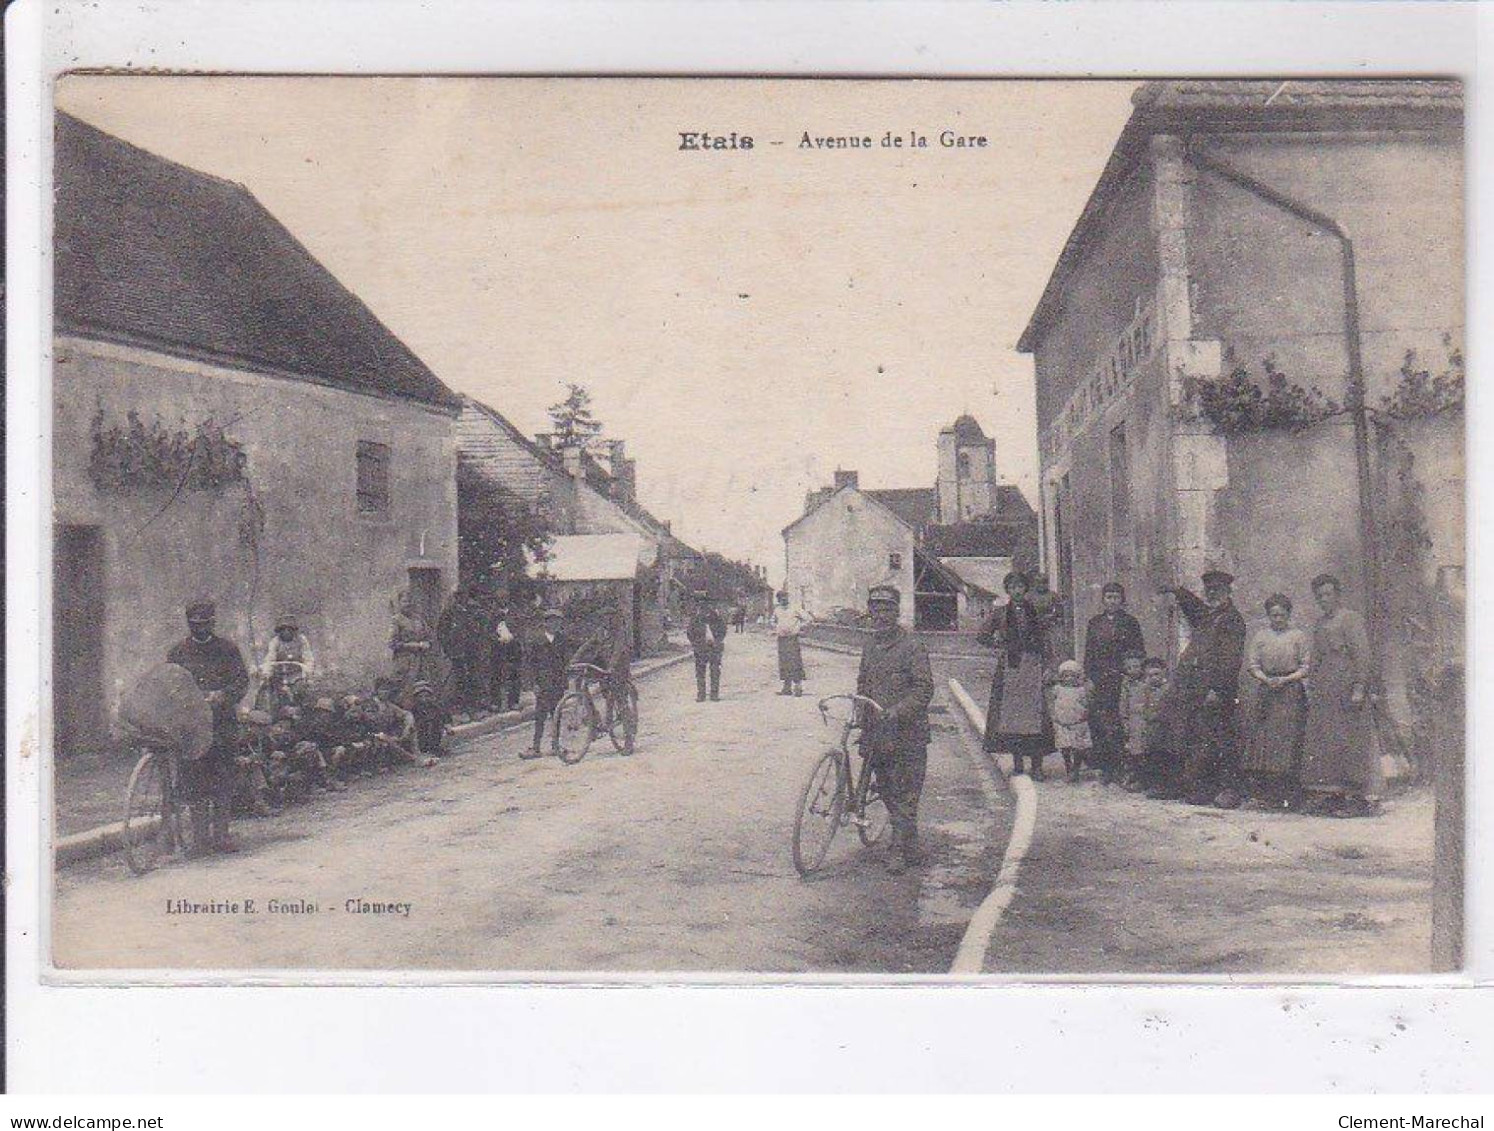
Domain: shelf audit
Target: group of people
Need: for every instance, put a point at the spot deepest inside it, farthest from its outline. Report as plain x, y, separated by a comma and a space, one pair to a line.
1306, 741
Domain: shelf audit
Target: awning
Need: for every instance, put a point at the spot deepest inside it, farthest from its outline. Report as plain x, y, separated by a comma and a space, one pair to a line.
591, 557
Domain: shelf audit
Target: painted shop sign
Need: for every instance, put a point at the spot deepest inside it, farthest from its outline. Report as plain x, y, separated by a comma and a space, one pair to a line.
1113, 375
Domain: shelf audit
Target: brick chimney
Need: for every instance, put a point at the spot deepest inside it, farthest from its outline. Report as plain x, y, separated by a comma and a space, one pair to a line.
573, 466
846, 479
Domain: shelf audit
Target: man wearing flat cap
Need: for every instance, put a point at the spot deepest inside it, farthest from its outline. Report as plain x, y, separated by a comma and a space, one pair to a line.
218, 667
1201, 716
549, 653
895, 673
1111, 635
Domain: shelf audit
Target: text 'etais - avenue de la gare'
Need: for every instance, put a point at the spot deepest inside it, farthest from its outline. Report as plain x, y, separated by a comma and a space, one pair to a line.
704, 141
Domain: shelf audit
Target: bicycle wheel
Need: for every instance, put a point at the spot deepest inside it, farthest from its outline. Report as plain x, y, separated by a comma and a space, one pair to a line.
821, 805
575, 727
871, 808
150, 821
624, 731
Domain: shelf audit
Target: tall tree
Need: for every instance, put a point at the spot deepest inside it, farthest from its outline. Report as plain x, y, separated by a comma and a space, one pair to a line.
574, 424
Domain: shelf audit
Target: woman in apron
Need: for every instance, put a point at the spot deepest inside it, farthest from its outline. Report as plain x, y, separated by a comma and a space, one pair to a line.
1016, 719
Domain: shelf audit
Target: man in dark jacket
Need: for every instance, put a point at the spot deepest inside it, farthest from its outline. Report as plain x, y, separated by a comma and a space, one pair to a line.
549, 655
1202, 712
707, 634
218, 667
1111, 636
895, 673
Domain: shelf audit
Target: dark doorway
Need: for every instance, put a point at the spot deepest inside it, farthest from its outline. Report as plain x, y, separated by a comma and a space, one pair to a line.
425, 588
80, 724
936, 597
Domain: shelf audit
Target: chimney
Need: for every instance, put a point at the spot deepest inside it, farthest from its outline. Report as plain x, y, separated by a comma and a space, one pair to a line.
624, 471
545, 441
846, 479
572, 457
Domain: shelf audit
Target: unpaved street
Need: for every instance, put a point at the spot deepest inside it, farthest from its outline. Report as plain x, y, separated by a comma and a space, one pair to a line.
676, 859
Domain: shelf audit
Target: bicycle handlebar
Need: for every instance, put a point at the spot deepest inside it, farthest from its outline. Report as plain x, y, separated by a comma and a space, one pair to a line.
586, 667
858, 700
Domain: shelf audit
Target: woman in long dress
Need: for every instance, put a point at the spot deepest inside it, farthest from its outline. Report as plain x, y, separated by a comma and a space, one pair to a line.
1016, 718
1340, 763
1277, 660
788, 622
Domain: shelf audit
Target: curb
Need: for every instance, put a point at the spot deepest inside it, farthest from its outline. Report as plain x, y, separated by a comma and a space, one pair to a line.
104, 839
970, 959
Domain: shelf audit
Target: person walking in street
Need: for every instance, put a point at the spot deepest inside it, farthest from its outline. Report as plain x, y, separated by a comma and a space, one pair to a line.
1070, 700
706, 632
1203, 709
508, 660
1277, 661
221, 674
549, 657
1016, 717
1340, 762
896, 674
1110, 635
788, 622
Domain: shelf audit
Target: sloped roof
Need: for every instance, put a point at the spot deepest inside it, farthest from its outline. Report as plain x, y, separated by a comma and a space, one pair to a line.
913, 505
983, 574
152, 253
977, 540
1184, 106
592, 557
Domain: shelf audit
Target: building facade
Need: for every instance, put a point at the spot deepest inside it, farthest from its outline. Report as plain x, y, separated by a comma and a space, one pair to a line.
1241, 230
228, 422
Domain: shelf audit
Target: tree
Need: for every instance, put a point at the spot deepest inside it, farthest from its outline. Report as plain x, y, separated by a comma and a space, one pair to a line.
574, 425
497, 536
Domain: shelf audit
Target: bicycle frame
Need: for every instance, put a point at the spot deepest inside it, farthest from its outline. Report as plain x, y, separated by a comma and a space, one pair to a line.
851, 725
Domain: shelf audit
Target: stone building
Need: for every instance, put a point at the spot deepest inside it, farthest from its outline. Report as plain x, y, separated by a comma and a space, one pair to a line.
947, 547
228, 421
1308, 229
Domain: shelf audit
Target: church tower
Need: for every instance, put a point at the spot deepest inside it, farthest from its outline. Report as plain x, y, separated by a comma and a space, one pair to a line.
967, 472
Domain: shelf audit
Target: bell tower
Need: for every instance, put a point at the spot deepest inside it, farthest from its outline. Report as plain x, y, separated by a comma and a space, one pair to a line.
967, 472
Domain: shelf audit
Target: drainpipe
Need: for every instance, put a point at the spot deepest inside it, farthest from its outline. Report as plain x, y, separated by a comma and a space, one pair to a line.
1368, 531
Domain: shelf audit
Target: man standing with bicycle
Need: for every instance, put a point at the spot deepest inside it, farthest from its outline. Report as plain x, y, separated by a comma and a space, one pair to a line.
218, 667
896, 673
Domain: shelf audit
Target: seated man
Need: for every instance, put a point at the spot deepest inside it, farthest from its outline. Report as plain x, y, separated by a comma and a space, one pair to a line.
392, 728
288, 647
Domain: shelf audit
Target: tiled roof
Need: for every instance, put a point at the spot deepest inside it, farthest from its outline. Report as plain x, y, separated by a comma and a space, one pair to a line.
976, 540
155, 254
1188, 106
913, 505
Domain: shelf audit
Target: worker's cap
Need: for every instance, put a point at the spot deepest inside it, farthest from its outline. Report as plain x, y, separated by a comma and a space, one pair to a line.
1113, 587
286, 620
888, 594
201, 612
1014, 579
1215, 578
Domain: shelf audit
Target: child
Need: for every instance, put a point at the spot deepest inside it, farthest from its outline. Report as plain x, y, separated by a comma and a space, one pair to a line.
1132, 719
1156, 761
1068, 707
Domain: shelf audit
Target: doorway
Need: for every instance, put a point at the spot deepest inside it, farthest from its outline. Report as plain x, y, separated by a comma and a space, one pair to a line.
79, 712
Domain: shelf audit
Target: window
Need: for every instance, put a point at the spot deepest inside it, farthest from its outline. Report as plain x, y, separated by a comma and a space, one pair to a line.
373, 478
963, 463
894, 561
1120, 498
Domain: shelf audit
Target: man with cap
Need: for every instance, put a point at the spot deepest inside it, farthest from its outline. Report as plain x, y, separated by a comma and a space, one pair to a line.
895, 674
706, 632
1110, 636
1201, 715
218, 668
287, 646
549, 656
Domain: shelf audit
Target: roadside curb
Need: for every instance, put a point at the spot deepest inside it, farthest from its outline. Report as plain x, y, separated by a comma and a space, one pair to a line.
104, 839
970, 959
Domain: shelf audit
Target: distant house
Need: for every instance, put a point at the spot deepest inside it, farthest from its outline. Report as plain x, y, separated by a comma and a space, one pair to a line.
948, 547
228, 421
580, 498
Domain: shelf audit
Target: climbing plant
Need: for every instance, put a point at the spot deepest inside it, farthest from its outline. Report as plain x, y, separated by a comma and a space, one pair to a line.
1241, 402
134, 455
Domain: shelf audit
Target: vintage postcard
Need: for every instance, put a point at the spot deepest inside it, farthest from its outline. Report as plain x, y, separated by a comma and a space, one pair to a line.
545, 528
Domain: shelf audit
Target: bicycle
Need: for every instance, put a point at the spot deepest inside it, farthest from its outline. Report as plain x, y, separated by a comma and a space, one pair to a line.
578, 721
828, 799
157, 820
278, 689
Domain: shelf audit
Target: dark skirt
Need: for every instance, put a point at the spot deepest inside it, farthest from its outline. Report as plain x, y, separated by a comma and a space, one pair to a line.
1275, 743
1016, 718
790, 660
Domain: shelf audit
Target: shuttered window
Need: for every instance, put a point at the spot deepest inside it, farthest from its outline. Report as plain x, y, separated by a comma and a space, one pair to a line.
373, 478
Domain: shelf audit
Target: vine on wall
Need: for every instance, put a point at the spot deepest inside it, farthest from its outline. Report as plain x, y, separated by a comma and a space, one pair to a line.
1239, 403
135, 456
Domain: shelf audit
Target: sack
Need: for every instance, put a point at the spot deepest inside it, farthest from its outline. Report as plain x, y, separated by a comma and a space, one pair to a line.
167, 707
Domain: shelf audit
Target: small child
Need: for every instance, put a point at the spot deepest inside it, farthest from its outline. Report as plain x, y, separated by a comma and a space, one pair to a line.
1068, 707
1156, 760
1132, 718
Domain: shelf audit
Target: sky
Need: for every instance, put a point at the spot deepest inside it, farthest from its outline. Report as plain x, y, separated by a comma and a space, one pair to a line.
748, 321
